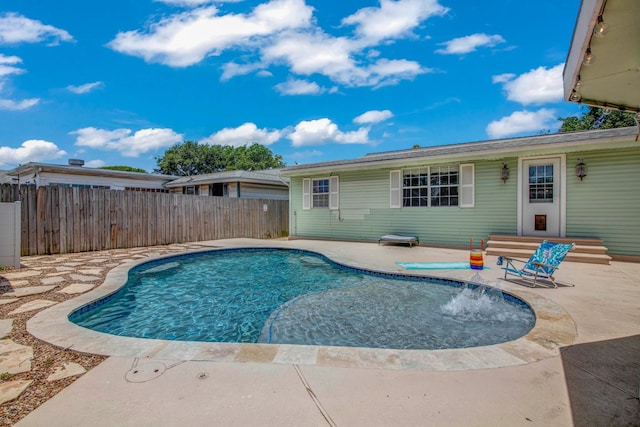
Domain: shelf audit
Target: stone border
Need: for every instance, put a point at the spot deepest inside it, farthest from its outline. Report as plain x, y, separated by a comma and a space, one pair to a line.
554, 328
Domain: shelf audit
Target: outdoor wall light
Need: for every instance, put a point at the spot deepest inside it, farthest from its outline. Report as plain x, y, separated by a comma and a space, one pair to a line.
575, 96
589, 58
581, 168
505, 172
601, 28
578, 83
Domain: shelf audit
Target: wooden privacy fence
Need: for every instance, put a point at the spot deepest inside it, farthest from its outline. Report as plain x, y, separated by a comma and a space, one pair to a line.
64, 220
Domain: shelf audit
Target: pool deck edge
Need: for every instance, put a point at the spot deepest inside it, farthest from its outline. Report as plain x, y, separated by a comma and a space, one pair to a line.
554, 329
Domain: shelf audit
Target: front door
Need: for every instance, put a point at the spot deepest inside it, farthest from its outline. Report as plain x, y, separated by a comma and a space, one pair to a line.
541, 198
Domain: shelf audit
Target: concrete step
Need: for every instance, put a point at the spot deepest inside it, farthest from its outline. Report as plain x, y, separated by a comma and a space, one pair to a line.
590, 251
524, 254
532, 246
533, 239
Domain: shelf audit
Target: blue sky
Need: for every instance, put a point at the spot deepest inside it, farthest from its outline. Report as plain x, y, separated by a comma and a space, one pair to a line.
118, 82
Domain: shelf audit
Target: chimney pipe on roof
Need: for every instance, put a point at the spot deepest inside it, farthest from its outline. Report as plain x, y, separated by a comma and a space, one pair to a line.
76, 162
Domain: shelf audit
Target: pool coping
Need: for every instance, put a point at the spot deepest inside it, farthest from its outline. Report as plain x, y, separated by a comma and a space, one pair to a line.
554, 328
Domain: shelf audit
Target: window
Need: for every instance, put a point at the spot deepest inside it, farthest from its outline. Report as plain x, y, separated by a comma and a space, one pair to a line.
432, 186
320, 193
428, 186
219, 189
190, 189
444, 186
541, 184
415, 187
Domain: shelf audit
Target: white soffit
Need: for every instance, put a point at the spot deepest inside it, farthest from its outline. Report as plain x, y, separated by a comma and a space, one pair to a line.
613, 77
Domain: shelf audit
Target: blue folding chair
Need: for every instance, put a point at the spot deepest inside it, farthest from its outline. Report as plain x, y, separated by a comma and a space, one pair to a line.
541, 266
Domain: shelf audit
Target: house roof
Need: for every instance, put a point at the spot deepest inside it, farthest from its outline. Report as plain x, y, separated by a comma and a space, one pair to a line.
4, 178
267, 176
33, 167
494, 149
612, 78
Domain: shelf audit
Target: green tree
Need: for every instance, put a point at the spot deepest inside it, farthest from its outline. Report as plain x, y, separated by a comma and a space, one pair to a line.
191, 158
124, 168
255, 157
597, 118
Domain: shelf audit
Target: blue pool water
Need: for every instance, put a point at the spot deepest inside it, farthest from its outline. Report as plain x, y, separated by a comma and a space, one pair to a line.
299, 297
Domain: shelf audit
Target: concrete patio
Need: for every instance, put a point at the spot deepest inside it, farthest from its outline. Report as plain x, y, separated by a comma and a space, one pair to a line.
581, 368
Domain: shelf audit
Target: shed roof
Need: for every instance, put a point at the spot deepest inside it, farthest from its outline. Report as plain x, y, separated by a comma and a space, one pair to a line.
267, 176
32, 167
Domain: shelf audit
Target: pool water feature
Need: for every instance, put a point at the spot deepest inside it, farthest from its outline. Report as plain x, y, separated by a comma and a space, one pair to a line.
299, 297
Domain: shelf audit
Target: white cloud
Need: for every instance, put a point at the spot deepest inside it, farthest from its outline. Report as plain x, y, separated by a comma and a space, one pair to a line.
299, 87
233, 69
284, 32
85, 88
393, 19
319, 53
15, 28
187, 38
7, 65
7, 68
193, 3
303, 155
9, 104
185, 3
522, 121
503, 78
122, 140
469, 43
33, 150
387, 72
95, 164
373, 116
321, 131
245, 134
539, 86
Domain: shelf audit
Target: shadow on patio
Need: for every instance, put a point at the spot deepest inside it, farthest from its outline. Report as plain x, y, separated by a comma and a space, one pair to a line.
603, 380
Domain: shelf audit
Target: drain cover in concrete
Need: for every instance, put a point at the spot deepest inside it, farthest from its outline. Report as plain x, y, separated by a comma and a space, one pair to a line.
145, 372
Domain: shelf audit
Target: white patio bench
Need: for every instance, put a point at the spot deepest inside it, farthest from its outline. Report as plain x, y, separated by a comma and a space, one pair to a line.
393, 238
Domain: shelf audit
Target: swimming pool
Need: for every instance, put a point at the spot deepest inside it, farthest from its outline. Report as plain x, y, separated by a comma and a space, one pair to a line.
300, 297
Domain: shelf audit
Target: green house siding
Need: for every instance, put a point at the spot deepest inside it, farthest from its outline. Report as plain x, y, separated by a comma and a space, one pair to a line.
606, 204
365, 214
